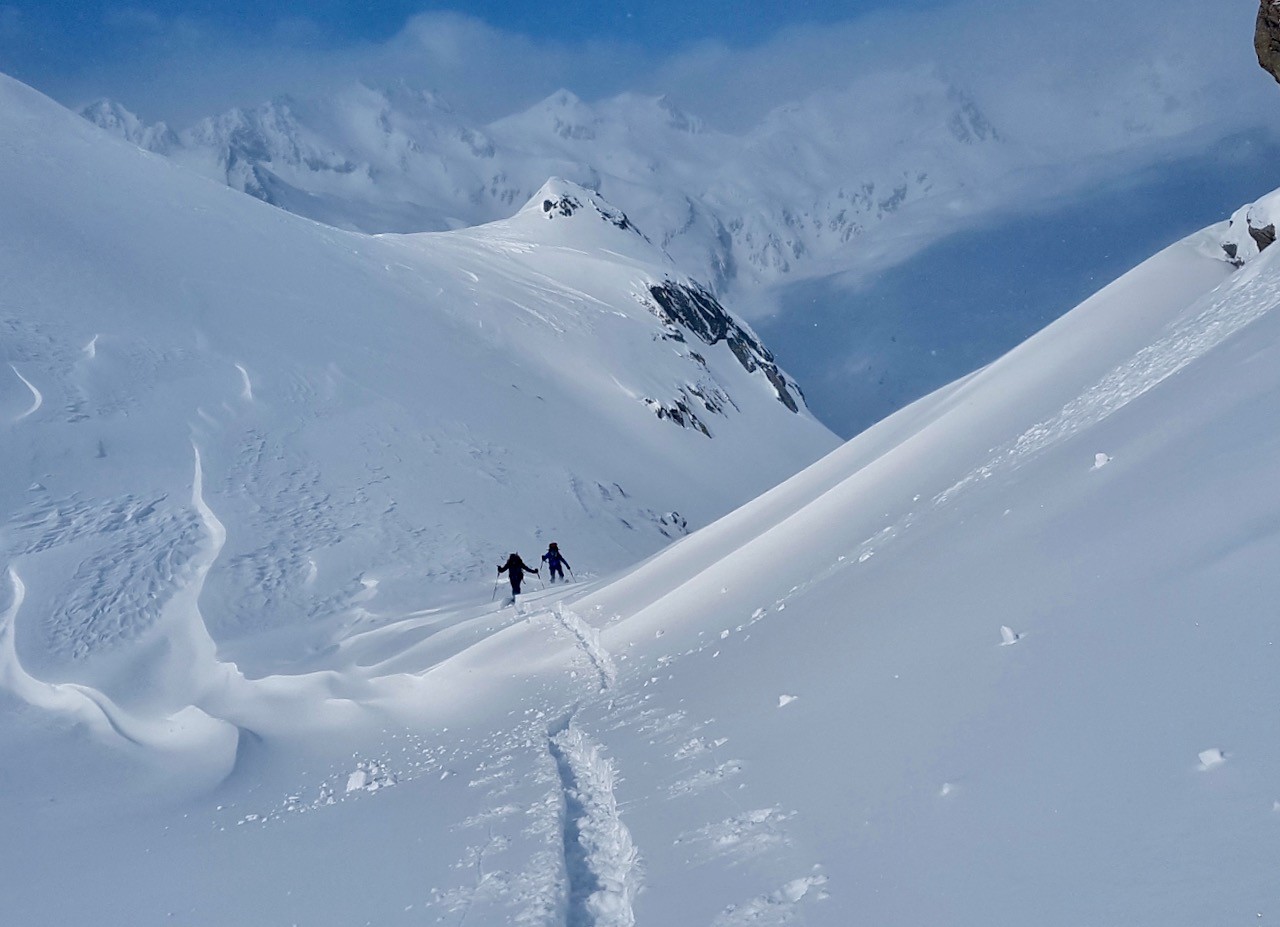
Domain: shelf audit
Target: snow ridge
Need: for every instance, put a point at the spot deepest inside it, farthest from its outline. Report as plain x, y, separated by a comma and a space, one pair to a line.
602, 864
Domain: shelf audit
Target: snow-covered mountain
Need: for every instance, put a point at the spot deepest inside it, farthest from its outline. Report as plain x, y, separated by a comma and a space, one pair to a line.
794, 195
1008, 657
372, 416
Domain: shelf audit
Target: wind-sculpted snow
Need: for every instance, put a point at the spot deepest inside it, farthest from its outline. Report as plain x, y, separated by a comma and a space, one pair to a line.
36, 396
113, 597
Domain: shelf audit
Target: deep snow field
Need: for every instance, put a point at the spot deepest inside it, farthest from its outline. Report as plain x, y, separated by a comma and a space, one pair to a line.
1006, 658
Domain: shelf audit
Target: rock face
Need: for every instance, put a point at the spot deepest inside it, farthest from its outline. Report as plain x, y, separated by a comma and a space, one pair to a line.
1266, 38
695, 309
1252, 229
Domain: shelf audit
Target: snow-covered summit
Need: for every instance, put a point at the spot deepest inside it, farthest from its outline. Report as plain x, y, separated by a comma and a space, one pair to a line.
118, 120
570, 212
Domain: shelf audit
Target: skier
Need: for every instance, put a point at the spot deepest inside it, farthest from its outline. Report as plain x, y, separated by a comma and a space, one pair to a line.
555, 562
515, 568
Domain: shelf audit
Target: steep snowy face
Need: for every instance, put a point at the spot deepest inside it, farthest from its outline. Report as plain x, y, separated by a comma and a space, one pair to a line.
789, 197
372, 421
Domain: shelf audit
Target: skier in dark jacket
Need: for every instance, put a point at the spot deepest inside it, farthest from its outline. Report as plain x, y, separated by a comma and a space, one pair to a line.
555, 562
515, 568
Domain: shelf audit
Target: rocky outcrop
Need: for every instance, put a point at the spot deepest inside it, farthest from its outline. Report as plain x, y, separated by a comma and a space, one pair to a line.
1266, 37
560, 203
1252, 230
694, 309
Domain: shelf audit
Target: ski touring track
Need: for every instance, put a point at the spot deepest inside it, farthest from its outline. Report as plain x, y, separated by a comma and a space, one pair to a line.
588, 640
601, 862
601, 868
551, 790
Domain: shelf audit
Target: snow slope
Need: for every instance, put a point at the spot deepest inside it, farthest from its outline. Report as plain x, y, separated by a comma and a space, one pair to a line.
1008, 657
376, 416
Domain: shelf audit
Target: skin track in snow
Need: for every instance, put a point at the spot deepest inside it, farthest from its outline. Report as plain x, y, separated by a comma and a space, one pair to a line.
601, 861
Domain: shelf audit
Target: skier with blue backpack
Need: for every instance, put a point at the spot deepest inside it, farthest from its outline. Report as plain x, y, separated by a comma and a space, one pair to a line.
555, 562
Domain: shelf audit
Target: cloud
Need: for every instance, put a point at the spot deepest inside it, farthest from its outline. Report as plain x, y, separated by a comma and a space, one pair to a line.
1049, 70
1072, 77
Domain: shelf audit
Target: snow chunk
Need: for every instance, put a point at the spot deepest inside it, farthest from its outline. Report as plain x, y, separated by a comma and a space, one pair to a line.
370, 776
1211, 759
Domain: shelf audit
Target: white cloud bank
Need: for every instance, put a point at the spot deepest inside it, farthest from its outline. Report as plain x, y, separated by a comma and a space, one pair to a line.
1072, 77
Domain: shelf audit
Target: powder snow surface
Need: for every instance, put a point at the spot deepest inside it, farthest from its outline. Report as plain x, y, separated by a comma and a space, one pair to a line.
956, 672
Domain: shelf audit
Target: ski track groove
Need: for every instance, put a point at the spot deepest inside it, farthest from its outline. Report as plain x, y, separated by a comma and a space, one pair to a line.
588, 639
601, 862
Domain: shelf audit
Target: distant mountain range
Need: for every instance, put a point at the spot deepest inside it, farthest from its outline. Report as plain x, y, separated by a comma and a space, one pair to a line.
794, 196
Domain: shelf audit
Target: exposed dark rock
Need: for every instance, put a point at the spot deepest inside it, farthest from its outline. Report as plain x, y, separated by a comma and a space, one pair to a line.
1265, 236
566, 205
693, 309
679, 412
673, 524
1248, 221
1266, 37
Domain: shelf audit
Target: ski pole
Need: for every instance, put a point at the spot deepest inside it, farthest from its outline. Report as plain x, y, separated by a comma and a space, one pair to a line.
495, 588
570, 569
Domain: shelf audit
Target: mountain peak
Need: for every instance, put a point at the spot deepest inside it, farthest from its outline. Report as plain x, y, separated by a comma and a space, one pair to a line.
119, 120
563, 99
559, 200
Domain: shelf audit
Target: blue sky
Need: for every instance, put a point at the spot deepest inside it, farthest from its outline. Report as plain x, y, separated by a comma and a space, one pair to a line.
79, 49
489, 58
72, 27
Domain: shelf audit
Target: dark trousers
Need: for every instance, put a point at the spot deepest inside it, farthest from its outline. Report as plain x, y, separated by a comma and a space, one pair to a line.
556, 570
